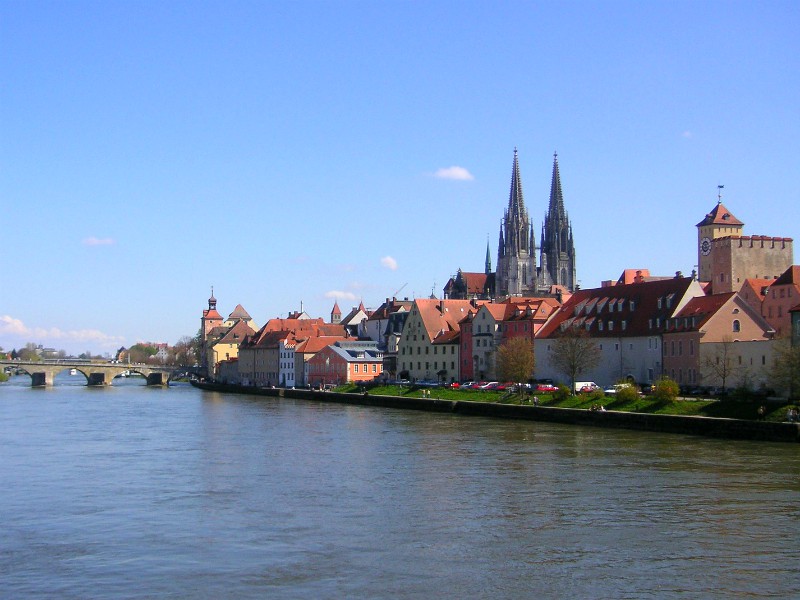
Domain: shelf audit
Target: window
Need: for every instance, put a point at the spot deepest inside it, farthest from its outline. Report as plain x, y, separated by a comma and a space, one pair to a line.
737, 327
374, 368
355, 368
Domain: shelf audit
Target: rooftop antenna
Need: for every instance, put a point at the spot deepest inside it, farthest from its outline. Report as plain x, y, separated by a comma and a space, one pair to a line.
719, 194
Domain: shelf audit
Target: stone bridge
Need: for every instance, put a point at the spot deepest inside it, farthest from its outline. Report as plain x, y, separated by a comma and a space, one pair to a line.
97, 373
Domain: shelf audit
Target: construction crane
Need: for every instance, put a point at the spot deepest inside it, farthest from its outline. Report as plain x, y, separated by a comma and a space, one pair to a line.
399, 290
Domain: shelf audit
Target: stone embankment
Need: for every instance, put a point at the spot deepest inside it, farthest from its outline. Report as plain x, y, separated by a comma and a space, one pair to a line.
706, 426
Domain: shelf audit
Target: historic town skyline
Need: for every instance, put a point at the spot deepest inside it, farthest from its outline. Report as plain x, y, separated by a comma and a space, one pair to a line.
311, 153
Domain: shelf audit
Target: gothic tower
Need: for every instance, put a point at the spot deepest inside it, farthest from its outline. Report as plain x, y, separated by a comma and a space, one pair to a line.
557, 261
516, 251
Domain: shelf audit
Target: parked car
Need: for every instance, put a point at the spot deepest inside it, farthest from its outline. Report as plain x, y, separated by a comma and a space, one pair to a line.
546, 387
490, 386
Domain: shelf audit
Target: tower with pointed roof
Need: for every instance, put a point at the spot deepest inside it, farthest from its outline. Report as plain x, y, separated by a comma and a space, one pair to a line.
517, 272
516, 249
336, 313
719, 222
727, 258
557, 262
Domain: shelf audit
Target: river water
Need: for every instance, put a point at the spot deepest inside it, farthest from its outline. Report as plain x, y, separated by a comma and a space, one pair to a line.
136, 492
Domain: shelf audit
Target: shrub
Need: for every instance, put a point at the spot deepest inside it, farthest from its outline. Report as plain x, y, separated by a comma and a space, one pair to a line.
666, 389
627, 393
561, 394
596, 395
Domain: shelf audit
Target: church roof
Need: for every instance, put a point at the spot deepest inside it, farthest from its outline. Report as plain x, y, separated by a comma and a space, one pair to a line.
719, 216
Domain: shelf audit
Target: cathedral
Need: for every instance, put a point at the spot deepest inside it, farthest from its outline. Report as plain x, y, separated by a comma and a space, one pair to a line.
517, 271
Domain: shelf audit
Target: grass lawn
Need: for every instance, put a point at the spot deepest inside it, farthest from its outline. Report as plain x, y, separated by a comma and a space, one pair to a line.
732, 409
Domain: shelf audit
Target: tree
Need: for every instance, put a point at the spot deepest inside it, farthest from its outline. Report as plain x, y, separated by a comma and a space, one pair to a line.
719, 366
574, 352
29, 353
515, 360
185, 351
785, 370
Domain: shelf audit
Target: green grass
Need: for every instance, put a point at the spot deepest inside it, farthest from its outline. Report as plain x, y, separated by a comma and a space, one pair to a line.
732, 409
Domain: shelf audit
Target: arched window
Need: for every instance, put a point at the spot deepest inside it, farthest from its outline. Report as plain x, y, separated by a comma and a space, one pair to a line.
737, 327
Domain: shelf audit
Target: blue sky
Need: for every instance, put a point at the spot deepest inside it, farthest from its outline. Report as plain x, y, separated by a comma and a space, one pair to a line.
289, 152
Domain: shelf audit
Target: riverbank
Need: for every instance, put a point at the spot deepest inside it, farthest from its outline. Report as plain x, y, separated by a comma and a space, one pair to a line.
741, 429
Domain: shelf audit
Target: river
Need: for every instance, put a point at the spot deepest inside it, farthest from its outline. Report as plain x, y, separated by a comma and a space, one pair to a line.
129, 492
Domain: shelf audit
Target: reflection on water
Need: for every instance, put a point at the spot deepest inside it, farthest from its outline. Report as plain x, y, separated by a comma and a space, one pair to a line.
136, 492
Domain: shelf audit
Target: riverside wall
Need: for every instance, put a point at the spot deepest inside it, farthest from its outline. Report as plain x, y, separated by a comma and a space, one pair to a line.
705, 426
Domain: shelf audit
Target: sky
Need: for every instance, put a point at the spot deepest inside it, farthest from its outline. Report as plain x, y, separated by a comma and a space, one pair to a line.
294, 154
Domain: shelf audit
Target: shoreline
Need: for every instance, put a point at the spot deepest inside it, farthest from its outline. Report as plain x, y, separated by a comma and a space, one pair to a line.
739, 429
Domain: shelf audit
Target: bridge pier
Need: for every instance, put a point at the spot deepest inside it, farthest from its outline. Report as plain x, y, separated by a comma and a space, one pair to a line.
41, 379
97, 379
157, 379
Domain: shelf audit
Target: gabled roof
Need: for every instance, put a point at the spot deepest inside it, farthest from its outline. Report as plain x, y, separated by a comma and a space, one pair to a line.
698, 311
390, 307
789, 276
634, 309
719, 215
239, 313
441, 315
312, 345
236, 334
354, 313
759, 286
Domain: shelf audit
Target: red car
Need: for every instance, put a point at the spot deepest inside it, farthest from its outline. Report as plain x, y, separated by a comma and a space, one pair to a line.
546, 387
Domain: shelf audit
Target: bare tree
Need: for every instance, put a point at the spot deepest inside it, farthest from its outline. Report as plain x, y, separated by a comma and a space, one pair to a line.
515, 360
719, 365
573, 352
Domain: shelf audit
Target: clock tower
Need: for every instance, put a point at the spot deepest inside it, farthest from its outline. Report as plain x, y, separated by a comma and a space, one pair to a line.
716, 224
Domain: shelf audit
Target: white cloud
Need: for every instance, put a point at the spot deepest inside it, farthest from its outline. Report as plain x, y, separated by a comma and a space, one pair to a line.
93, 241
458, 173
389, 262
339, 295
12, 326
15, 328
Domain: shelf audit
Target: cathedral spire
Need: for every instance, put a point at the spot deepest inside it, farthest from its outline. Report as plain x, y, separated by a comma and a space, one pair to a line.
556, 198
488, 257
516, 203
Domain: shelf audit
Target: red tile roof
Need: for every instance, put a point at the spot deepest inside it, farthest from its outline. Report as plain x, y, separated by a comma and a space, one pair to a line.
698, 311
720, 216
313, 345
636, 305
441, 315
